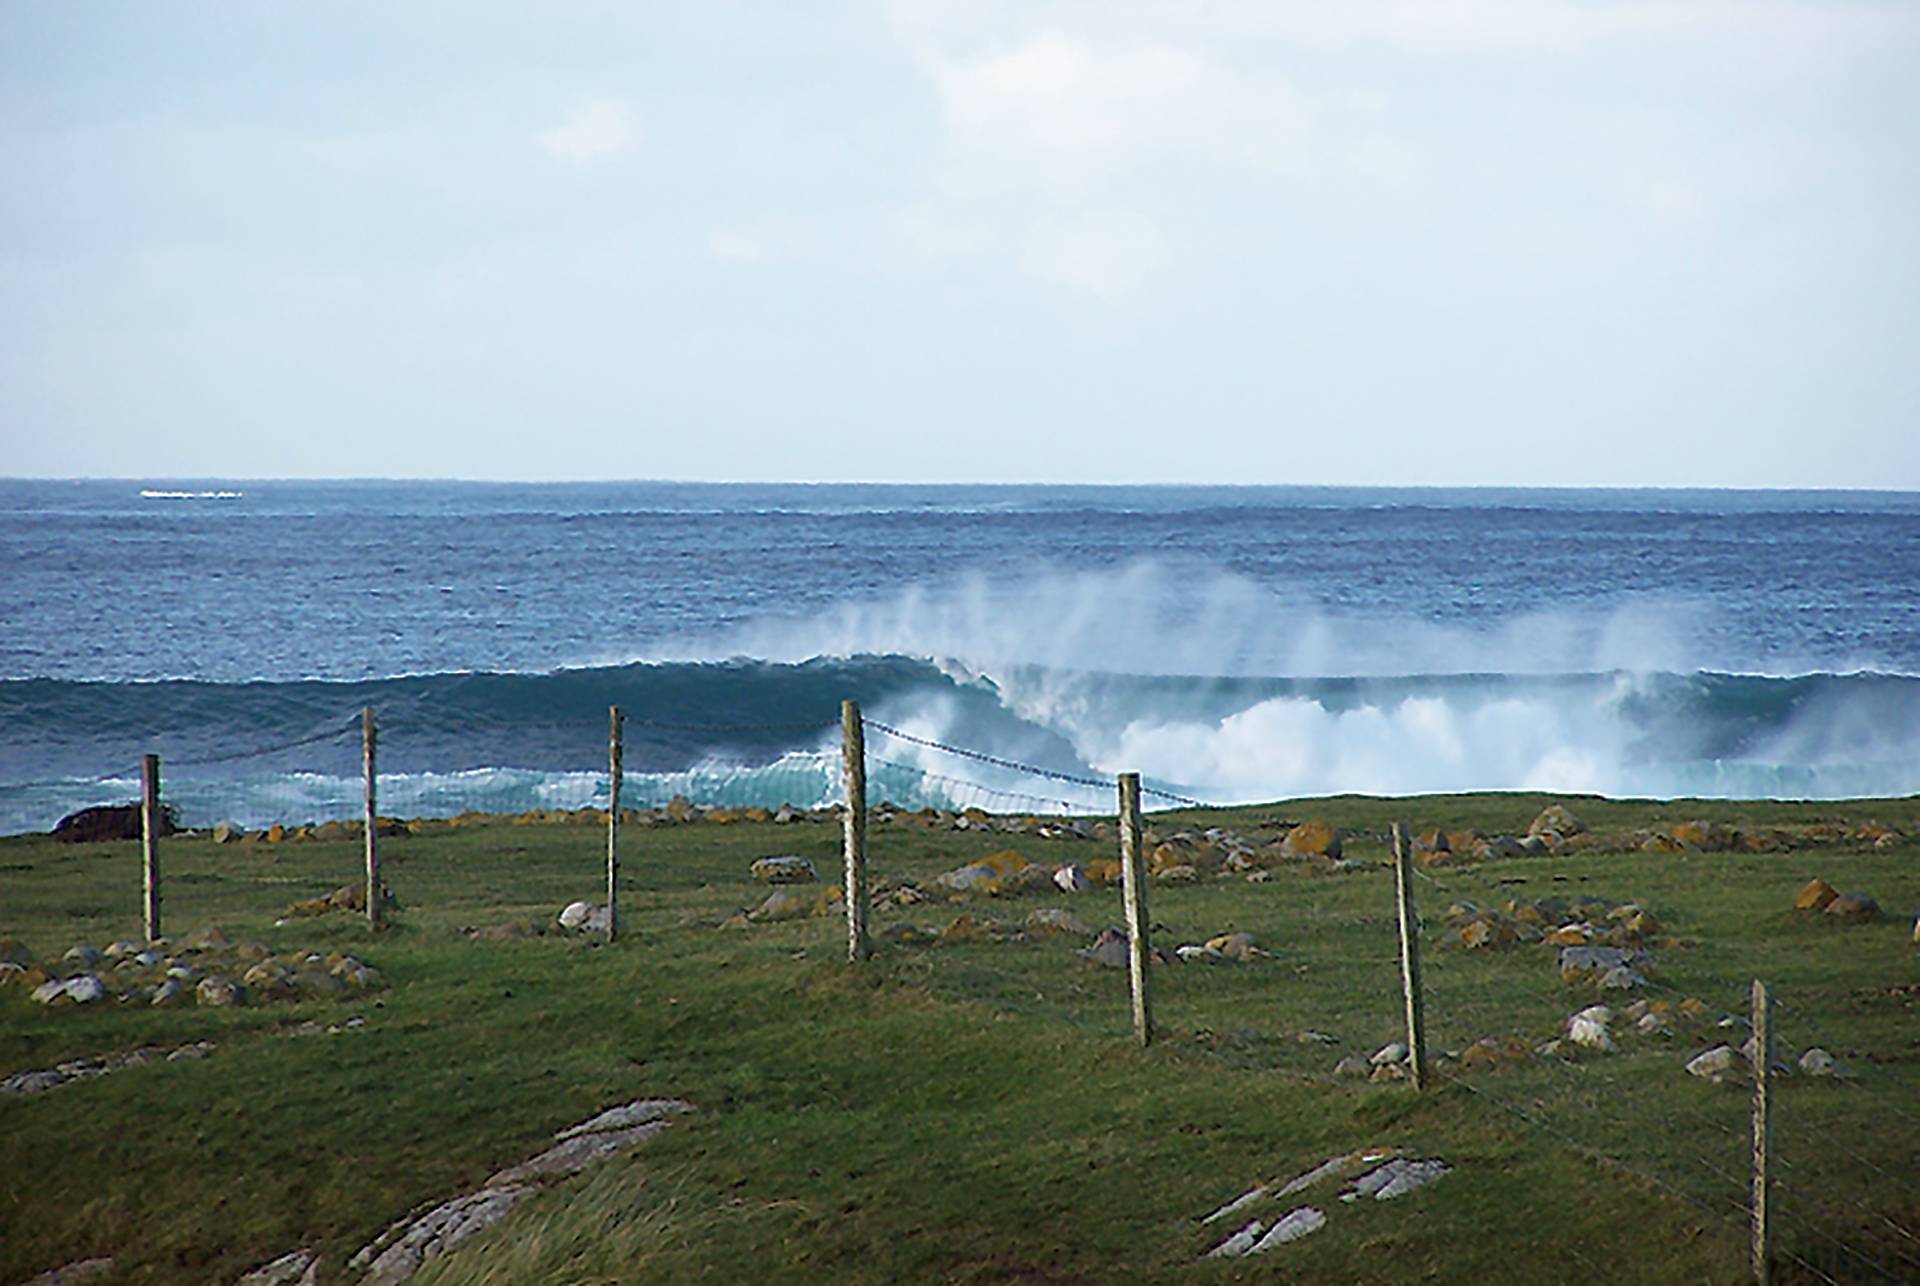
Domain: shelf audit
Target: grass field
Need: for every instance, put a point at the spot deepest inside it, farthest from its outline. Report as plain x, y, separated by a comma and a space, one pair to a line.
969, 1111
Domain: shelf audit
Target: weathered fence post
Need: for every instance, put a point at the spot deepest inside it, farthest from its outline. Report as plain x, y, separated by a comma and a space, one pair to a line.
150, 818
615, 724
1410, 958
1133, 877
372, 820
1762, 1123
854, 748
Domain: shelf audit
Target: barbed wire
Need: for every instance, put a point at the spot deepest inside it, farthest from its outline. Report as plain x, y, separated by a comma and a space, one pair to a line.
1014, 765
972, 785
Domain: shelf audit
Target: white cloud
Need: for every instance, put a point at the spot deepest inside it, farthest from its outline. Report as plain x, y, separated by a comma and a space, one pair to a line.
1108, 252
595, 130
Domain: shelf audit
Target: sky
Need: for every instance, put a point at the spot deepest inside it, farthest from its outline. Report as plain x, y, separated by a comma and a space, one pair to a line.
1395, 242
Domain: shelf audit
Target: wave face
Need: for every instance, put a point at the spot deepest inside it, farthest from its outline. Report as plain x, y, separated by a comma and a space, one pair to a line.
766, 732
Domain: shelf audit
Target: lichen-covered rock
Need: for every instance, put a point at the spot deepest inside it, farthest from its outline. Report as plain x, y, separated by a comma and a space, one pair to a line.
785, 868
219, 992
1815, 895
1239, 1243
400, 1251
1818, 1062
1397, 1178
86, 989
1294, 1225
1055, 920
1312, 839
1072, 879
1237, 946
1589, 1028
295, 1268
1556, 821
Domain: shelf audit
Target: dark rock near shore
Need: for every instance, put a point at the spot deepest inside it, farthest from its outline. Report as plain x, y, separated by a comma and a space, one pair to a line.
105, 822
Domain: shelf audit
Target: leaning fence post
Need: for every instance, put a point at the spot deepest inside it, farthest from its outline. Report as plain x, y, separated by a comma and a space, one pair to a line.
372, 824
1133, 878
1762, 1123
150, 816
1410, 958
615, 721
854, 748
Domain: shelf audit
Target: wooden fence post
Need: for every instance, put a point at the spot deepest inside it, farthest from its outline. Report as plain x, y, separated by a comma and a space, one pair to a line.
1133, 878
1762, 1124
150, 817
615, 772
854, 749
1410, 958
367, 737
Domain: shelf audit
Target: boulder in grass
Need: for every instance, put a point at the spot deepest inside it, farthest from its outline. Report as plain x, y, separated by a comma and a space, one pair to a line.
14, 951
1815, 895
106, 822
785, 868
218, 992
1312, 839
1072, 879
1715, 1064
1856, 908
1556, 822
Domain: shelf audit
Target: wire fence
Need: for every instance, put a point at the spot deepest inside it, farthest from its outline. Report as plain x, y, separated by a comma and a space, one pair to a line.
1316, 997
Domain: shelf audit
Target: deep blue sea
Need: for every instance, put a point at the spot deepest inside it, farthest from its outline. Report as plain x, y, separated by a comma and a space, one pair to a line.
1232, 644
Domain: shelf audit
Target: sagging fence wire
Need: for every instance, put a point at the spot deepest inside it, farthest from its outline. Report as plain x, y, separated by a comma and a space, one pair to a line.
1030, 770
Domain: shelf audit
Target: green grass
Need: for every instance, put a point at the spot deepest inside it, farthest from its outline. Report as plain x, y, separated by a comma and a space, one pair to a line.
971, 1112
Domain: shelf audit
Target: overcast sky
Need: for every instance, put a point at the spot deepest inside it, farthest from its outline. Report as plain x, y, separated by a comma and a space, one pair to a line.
1447, 241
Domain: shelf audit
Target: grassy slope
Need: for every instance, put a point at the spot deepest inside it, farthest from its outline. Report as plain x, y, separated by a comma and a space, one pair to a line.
971, 1112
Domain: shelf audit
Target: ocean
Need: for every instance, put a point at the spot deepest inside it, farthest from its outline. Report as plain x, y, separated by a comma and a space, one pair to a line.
1232, 644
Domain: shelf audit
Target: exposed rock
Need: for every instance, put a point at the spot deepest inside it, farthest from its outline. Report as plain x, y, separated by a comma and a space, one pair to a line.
1237, 946
1557, 821
1235, 1206
1312, 839
80, 1270
577, 1153
399, 1252
583, 917
1815, 896
784, 869
1072, 879
1394, 1052
1592, 964
1238, 1244
1854, 907
783, 904
1292, 1226
85, 989
232, 833
1818, 1062
15, 952
168, 991
83, 955
295, 1268
1396, 1178
1055, 920
1714, 1063
49, 991
107, 822
639, 1112
1589, 1028
216, 991
1355, 1065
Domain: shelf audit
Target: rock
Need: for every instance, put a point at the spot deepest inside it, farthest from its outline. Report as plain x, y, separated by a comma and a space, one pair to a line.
1654, 1024
1590, 964
1355, 1065
1312, 839
15, 952
1072, 879
786, 815
576, 914
1235, 1206
295, 1268
1109, 949
315, 982
229, 833
1815, 896
577, 1153
1620, 978
784, 869
218, 992
1055, 920
80, 1270
1855, 908
49, 991
1238, 1244
399, 1252
1589, 1028
1397, 1178
1394, 1052
1237, 946
85, 989
1195, 954
121, 949
209, 938
1557, 821
782, 904
82, 956
1715, 1063
106, 822
169, 990
1292, 1226
1818, 1062
638, 1112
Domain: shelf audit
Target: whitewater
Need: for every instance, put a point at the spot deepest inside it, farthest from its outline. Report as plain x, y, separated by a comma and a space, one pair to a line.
1232, 644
